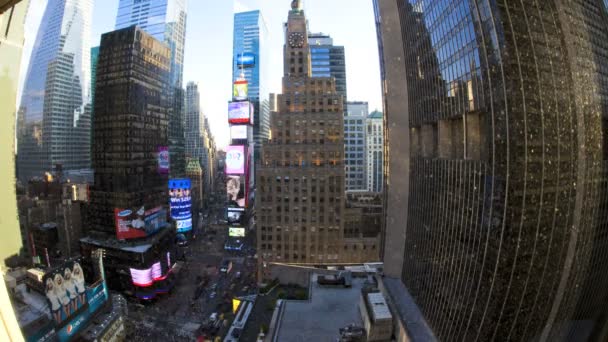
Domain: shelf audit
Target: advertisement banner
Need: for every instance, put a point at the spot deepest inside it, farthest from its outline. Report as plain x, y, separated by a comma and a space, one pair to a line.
98, 296
181, 203
234, 216
65, 292
139, 223
238, 132
240, 112
245, 60
236, 232
148, 276
163, 160
235, 190
235, 160
240, 90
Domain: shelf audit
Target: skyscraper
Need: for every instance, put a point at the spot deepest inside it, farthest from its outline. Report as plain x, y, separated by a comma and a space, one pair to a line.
354, 145
301, 177
165, 20
250, 58
496, 204
54, 115
194, 123
130, 128
374, 148
328, 60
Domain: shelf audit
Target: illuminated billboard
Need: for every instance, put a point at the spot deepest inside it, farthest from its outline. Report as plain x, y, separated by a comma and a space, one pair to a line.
238, 132
240, 90
147, 277
181, 203
163, 160
240, 112
235, 190
236, 232
235, 160
234, 215
245, 60
139, 222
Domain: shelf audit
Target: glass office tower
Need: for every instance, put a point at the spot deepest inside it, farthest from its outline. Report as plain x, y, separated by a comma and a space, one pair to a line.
164, 20
250, 40
328, 60
54, 114
497, 148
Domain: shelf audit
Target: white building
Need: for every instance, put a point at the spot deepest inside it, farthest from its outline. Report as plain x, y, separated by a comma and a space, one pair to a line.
375, 151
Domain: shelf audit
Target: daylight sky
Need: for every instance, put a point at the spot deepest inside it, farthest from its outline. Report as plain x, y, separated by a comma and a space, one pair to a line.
208, 58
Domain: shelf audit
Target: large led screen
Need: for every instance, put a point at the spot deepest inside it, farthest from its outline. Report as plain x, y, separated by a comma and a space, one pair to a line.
236, 232
240, 112
235, 160
163, 160
235, 189
139, 222
234, 215
245, 60
181, 203
240, 90
238, 132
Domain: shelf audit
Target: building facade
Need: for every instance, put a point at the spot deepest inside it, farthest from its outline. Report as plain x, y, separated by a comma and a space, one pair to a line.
300, 187
328, 60
194, 123
354, 145
250, 59
374, 148
165, 20
194, 172
125, 159
496, 133
55, 111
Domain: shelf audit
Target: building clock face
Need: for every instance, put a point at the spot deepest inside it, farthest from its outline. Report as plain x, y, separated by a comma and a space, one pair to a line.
296, 40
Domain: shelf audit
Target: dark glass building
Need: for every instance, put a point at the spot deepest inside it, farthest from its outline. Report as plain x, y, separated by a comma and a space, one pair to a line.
496, 207
328, 60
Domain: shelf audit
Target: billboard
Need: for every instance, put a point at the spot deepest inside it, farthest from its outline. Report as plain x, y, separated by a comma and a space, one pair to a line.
65, 291
245, 60
240, 112
238, 132
240, 90
163, 160
181, 203
139, 223
234, 215
235, 190
148, 276
235, 160
236, 232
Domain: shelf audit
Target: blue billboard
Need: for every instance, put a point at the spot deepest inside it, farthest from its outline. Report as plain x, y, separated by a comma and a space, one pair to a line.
246, 60
180, 201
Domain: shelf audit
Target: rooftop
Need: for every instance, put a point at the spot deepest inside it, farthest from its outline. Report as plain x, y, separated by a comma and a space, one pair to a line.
378, 306
321, 317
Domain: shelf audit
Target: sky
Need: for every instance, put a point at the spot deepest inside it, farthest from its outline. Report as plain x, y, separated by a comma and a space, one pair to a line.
208, 52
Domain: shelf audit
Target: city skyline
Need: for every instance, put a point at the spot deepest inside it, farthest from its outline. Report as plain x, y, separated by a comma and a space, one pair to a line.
212, 68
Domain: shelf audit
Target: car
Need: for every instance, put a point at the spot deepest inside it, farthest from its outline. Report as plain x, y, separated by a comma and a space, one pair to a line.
212, 295
237, 275
245, 288
213, 317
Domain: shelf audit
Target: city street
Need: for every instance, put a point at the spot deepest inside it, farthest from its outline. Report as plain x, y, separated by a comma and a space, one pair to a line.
200, 304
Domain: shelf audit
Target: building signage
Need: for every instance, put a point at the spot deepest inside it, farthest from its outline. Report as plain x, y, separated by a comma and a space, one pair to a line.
235, 189
236, 232
238, 132
139, 223
180, 200
234, 216
163, 160
240, 90
245, 60
235, 160
240, 112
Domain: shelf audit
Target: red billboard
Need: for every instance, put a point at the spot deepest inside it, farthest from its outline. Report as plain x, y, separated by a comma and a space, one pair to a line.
139, 223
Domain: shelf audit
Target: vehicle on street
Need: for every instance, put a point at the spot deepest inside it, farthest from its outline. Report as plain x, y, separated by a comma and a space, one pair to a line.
181, 240
238, 275
212, 295
226, 266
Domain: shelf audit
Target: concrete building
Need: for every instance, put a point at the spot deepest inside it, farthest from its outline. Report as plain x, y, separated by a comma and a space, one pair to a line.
355, 128
194, 172
374, 148
165, 20
496, 203
54, 123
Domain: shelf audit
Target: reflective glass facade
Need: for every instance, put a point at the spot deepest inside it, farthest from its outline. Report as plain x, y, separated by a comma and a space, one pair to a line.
251, 36
194, 124
328, 60
507, 106
54, 114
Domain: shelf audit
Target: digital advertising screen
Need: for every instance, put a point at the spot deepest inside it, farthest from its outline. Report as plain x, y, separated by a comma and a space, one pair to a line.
180, 200
240, 90
245, 60
234, 215
148, 276
238, 132
163, 160
240, 112
139, 222
235, 190
235, 160
236, 232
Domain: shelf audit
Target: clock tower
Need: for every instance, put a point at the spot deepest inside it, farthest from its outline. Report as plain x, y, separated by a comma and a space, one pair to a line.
296, 51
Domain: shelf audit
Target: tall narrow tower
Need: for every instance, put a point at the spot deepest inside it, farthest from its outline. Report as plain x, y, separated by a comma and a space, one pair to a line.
301, 178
